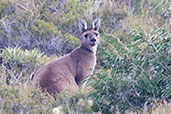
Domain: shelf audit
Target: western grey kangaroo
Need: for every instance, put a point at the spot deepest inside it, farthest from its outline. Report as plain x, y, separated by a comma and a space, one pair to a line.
71, 69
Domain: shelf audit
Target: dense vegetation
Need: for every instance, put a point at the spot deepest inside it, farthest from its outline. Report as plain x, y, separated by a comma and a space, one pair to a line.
133, 71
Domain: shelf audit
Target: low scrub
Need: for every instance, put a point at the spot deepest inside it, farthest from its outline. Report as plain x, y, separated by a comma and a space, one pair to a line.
134, 74
19, 65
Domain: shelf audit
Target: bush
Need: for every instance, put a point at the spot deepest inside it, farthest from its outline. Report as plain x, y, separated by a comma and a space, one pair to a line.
34, 26
22, 98
161, 108
19, 64
19, 95
25, 98
164, 108
134, 74
42, 28
133, 68
42, 23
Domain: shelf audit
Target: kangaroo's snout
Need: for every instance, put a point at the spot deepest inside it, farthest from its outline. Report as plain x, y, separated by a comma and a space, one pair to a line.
93, 40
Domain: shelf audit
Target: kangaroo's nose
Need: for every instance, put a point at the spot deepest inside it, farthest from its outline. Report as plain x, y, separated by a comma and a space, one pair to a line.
93, 40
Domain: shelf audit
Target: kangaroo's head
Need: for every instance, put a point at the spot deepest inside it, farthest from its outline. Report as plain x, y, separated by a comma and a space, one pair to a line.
90, 36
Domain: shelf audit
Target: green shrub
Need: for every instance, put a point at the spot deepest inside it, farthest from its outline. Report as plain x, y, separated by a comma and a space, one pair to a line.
23, 98
19, 95
18, 64
42, 28
134, 74
2, 9
72, 10
133, 70
160, 108
163, 108
71, 40
74, 102
24, 57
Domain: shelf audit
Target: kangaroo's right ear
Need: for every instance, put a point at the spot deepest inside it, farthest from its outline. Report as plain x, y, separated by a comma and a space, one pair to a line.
82, 25
96, 24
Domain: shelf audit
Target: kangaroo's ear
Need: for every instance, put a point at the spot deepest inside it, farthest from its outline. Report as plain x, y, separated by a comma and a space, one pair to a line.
82, 25
96, 24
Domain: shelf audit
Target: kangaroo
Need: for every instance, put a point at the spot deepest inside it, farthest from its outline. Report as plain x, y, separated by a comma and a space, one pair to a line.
71, 69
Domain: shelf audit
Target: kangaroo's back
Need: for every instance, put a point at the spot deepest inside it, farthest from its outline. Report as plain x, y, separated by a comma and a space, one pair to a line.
70, 70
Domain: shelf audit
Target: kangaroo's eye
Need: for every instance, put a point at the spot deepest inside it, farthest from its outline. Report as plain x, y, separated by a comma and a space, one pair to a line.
86, 35
96, 34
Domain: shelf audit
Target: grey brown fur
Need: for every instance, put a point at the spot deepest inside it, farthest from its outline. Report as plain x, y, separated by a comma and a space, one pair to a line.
72, 69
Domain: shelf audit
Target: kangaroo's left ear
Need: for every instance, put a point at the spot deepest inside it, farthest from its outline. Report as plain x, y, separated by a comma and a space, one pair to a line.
96, 24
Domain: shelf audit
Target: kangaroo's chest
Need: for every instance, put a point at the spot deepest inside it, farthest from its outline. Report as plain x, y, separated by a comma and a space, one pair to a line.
87, 64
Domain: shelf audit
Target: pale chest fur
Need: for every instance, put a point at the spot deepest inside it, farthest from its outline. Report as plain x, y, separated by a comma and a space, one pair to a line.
94, 51
94, 63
